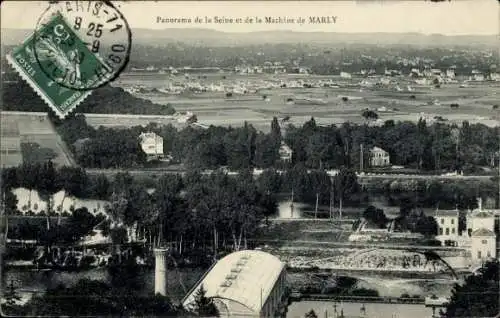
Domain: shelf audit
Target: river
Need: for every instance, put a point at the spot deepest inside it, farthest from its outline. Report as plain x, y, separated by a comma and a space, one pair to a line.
28, 282
353, 310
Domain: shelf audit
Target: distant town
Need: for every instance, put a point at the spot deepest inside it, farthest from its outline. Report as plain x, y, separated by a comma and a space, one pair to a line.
259, 180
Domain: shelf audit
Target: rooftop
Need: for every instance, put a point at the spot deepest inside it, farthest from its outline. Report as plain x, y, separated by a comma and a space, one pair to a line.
483, 214
377, 149
483, 232
148, 135
446, 213
242, 280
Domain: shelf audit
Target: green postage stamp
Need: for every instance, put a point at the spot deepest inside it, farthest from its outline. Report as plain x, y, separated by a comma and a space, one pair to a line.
59, 66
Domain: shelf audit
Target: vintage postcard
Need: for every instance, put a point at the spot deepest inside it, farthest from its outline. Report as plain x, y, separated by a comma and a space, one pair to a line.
250, 159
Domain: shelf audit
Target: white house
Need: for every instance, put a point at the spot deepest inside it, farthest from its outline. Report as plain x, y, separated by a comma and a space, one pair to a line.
379, 157
450, 73
447, 221
285, 152
436, 72
477, 75
345, 75
483, 245
152, 145
481, 220
494, 76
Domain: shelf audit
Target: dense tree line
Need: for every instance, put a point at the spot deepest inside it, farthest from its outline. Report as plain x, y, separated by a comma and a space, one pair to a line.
18, 96
418, 145
95, 298
409, 219
320, 58
478, 296
193, 210
102, 147
435, 147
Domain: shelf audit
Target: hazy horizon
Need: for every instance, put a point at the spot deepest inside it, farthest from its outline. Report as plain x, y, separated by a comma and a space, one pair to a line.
295, 31
456, 18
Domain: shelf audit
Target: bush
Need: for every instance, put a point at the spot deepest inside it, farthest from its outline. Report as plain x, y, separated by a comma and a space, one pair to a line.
365, 292
431, 242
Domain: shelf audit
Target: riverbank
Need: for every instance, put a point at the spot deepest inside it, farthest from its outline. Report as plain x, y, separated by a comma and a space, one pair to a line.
331, 309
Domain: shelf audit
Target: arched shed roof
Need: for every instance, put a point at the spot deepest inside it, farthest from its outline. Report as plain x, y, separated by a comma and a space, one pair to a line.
244, 278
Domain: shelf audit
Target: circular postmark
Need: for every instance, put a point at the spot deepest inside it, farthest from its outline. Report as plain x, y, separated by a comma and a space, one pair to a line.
82, 45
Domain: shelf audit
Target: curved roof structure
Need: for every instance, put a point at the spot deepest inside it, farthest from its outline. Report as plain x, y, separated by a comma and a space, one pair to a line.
483, 214
482, 232
240, 282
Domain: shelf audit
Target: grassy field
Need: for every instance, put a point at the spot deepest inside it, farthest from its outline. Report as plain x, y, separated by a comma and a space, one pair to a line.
288, 233
33, 128
475, 102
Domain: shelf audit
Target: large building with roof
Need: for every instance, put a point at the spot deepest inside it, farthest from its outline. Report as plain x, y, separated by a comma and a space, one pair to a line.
152, 145
10, 143
247, 283
447, 221
482, 226
379, 157
483, 245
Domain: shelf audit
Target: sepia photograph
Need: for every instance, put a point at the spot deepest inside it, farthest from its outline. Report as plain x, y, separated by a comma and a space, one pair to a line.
289, 159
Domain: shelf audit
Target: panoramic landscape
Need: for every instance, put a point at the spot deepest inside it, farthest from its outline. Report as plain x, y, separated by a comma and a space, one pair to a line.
342, 170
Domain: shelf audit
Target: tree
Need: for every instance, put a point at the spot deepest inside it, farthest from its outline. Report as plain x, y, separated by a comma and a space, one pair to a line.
81, 222
10, 295
478, 296
311, 314
269, 182
426, 225
275, 129
204, 306
10, 202
346, 185
100, 187
376, 216
118, 206
9, 178
266, 150
269, 205
118, 235
369, 114
95, 298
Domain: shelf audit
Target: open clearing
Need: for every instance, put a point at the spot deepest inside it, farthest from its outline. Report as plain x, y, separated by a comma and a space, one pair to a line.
214, 108
31, 128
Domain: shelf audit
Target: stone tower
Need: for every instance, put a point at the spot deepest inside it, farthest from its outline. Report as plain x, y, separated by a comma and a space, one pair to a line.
161, 271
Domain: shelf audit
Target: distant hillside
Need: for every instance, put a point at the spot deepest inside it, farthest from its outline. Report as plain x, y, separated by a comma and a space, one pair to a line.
211, 37
17, 95
216, 38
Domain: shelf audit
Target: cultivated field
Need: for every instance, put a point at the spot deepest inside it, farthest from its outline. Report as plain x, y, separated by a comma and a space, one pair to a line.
32, 128
475, 101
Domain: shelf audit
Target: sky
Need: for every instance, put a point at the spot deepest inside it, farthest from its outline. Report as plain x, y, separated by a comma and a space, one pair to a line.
458, 17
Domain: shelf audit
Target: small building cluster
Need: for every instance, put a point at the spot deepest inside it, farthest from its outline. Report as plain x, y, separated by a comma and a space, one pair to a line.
247, 283
10, 147
480, 234
152, 146
379, 157
285, 152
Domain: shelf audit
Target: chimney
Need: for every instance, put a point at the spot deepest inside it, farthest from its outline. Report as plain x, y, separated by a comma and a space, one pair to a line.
161, 271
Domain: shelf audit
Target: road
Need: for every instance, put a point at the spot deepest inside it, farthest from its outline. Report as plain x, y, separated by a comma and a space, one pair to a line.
362, 178
363, 245
62, 145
